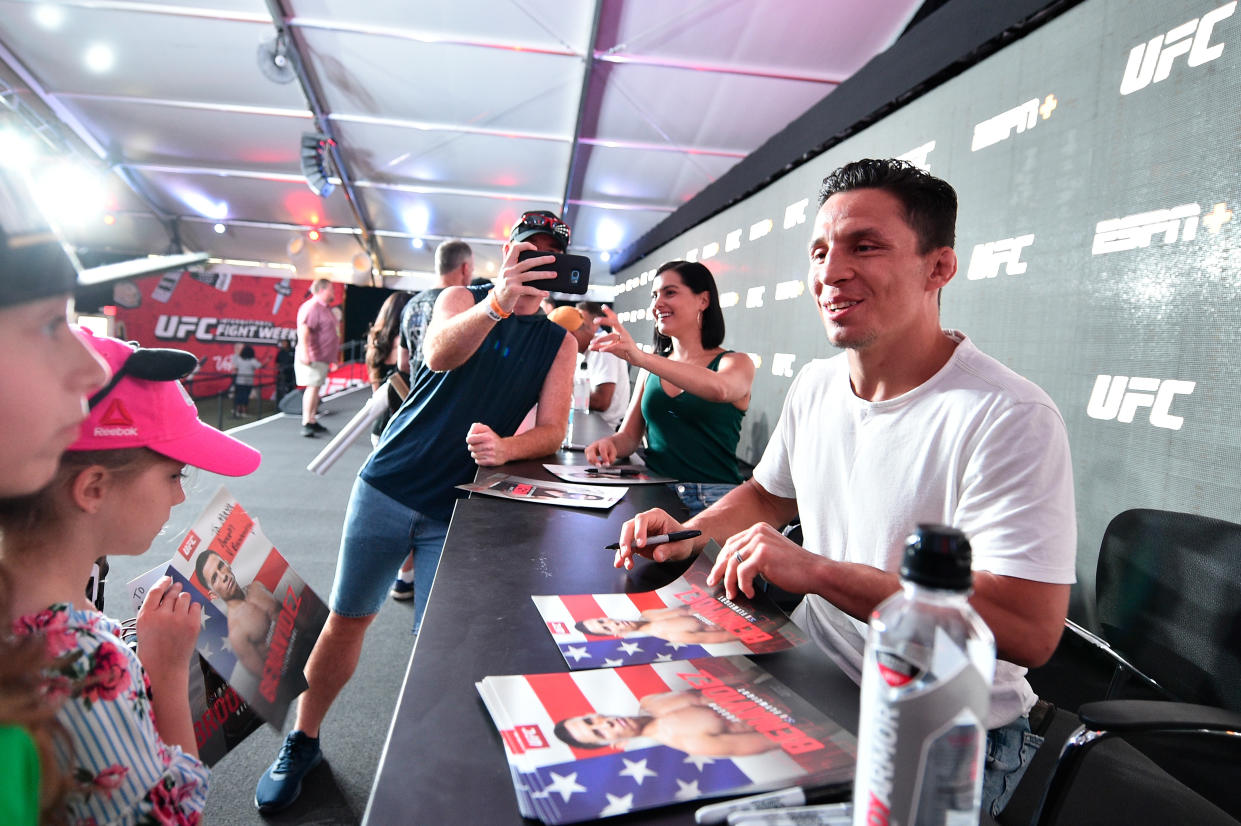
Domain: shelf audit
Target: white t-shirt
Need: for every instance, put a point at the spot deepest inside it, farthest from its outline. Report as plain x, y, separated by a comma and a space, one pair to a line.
976, 446
246, 369
605, 368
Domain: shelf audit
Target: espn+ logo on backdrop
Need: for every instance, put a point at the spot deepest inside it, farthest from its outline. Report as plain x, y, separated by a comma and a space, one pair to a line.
1153, 61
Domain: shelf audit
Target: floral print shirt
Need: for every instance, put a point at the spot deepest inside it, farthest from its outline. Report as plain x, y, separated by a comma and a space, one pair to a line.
123, 773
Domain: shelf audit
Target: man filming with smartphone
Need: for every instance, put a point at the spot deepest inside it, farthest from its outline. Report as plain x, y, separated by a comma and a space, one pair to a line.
488, 357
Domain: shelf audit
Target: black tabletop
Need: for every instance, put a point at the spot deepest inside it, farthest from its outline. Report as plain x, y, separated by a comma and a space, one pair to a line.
444, 762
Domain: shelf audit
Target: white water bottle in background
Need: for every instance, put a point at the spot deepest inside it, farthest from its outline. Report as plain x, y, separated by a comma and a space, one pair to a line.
926, 691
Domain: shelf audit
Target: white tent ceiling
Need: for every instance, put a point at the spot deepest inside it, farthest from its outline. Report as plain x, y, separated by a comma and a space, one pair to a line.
449, 118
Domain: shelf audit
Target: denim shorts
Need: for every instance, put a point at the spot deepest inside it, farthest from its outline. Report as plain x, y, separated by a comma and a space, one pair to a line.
698, 496
1010, 749
379, 532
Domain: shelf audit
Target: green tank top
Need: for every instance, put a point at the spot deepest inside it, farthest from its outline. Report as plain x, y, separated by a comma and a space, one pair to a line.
690, 438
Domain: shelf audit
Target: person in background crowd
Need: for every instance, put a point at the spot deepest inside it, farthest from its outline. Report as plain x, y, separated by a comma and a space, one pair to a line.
911, 423
284, 368
245, 371
488, 357
318, 343
45, 377
131, 749
454, 263
691, 394
606, 375
383, 350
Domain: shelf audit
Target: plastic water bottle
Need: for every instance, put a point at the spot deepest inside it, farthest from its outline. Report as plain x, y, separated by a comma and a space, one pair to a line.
926, 690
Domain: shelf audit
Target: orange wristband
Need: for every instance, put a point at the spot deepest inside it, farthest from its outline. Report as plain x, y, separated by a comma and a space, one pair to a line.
496, 309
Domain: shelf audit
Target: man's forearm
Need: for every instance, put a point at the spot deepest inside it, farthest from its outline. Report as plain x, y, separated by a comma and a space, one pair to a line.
541, 440
451, 344
743, 506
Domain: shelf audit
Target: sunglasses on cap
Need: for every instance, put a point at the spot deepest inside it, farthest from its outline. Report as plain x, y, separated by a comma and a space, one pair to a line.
543, 221
149, 364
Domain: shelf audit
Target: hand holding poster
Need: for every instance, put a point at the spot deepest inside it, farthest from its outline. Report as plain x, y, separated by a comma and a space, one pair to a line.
683, 620
592, 744
260, 619
222, 719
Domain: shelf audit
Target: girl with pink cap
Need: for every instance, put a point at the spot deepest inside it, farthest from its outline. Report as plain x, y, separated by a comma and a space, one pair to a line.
130, 749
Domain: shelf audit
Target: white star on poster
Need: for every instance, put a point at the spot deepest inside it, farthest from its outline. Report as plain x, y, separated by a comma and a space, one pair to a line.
617, 805
677, 646
637, 770
225, 645
577, 652
204, 648
202, 620
699, 760
564, 785
663, 658
687, 791
630, 647
613, 663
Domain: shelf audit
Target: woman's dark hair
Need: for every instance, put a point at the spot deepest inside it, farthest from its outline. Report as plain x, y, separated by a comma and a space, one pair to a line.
383, 335
247, 352
698, 280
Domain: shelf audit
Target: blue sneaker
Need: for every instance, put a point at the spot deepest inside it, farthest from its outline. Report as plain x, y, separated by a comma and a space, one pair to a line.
402, 590
282, 782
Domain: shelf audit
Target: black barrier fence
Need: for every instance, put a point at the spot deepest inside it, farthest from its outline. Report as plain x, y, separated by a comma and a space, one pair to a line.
220, 387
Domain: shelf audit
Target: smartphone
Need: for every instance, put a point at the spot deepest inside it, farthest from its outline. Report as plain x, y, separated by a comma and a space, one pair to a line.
569, 273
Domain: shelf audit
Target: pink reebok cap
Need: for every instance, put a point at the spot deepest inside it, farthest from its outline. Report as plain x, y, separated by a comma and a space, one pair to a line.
145, 406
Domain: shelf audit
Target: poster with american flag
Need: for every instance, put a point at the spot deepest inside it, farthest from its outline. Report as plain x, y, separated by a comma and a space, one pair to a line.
591, 744
260, 618
683, 620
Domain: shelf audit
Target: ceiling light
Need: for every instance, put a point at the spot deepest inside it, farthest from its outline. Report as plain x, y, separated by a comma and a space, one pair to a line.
71, 192
417, 218
219, 229
606, 256
204, 206
491, 266
417, 243
314, 235
49, 16
608, 234
109, 219
99, 58
16, 150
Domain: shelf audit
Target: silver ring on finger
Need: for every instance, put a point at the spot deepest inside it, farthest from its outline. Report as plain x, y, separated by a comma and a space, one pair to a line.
739, 556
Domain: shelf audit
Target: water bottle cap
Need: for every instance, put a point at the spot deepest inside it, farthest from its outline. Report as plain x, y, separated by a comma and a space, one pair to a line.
938, 556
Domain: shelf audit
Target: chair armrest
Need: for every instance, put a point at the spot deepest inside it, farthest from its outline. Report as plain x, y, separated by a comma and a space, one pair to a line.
1148, 715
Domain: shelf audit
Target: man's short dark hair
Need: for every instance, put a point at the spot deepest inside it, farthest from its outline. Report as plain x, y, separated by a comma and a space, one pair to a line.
450, 255
200, 563
930, 203
595, 308
562, 733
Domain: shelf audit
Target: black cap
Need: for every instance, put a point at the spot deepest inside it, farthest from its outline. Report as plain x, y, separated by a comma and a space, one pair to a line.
938, 556
541, 222
33, 262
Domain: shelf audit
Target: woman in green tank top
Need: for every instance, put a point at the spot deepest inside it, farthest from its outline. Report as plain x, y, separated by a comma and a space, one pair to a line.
690, 399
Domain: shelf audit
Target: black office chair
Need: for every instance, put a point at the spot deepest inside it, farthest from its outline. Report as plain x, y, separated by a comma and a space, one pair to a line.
1168, 589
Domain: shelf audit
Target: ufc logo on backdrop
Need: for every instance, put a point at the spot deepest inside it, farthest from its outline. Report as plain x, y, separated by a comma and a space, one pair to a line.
986, 259
1152, 62
1119, 397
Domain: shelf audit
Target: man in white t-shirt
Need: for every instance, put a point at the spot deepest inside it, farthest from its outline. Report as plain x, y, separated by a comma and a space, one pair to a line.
911, 424
607, 375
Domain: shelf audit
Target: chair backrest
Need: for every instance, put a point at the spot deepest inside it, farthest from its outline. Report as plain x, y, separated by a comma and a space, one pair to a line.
1168, 588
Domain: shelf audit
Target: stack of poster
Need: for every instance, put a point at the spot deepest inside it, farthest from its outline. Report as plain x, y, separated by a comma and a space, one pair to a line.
608, 475
591, 744
260, 619
546, 493
683, 620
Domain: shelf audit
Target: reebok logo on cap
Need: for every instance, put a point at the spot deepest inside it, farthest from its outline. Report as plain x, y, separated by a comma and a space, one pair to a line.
116, 421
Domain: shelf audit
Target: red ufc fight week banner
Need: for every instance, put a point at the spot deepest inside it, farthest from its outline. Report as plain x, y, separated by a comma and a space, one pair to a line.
213, 315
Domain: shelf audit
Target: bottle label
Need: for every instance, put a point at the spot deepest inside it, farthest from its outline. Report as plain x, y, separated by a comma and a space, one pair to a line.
920, 754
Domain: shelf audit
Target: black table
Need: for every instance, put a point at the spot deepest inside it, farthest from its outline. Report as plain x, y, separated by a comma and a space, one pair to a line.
444, 761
